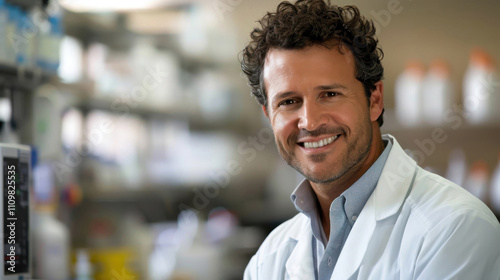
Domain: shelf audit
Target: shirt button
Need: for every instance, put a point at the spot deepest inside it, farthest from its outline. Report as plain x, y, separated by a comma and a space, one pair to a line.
329, 261
354, 218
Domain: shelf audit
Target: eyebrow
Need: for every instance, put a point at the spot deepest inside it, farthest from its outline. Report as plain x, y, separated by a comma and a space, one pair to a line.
282, 95
321, 87
332, 86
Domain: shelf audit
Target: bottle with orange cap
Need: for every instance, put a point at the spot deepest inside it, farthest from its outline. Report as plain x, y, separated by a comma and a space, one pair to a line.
478, 91
436, 92
407, 92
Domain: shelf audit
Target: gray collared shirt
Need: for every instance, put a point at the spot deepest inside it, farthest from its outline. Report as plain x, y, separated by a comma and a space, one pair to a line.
344, 211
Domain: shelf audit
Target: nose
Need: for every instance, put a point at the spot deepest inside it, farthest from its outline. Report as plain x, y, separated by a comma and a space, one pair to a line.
312, 116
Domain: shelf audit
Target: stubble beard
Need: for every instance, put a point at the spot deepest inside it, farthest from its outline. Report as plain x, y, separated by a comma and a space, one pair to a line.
356, 152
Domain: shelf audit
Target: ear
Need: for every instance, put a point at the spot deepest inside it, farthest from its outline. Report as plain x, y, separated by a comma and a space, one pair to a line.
377, 101
265, 111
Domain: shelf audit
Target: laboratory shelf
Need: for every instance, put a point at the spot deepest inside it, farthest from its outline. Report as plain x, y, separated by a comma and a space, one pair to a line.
28, 4
21, 77
195, 120
434, 144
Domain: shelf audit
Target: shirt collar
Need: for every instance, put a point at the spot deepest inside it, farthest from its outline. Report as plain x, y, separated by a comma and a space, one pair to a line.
305, 202
304, 198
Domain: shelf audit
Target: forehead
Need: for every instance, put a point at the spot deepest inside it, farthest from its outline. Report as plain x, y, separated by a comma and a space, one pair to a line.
308, 67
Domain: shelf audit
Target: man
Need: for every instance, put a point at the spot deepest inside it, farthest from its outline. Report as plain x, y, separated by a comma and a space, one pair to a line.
367, 211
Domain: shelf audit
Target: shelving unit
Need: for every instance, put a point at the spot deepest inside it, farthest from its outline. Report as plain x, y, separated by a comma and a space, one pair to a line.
18, 83
22, 77
26, 4
195, 120
87, 104
479, 142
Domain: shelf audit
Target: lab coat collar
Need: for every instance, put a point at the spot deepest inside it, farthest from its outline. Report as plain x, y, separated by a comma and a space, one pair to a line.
300, 263
394, 182
385, 201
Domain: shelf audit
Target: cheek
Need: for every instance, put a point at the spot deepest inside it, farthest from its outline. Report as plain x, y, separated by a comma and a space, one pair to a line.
343, 115
353, 112
349, 117
283, 127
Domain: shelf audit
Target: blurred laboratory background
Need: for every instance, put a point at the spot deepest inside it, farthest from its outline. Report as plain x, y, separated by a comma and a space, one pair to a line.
150, 159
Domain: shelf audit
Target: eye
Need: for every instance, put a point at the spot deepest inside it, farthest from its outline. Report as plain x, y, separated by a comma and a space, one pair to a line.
331, 94
286, 102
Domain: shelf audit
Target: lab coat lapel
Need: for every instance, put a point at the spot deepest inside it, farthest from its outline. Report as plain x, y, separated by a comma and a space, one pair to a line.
394, 182
300, 263
355, 246
385, 201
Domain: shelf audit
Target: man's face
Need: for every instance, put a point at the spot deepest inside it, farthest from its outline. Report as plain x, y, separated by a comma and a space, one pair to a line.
321, 117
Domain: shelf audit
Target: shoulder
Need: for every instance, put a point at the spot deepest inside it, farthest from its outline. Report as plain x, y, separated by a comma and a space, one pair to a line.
451, 223
436, 200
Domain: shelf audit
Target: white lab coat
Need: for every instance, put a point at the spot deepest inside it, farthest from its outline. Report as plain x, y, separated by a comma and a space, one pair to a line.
415, 225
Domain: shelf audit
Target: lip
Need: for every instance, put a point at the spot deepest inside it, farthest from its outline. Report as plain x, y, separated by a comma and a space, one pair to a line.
318, 150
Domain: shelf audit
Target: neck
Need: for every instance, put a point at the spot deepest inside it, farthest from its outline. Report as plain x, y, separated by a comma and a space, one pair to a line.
327, 192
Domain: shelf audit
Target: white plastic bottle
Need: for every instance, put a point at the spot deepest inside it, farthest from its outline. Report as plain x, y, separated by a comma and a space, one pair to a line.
83, 267
4, 19
51, 247
457, 167
478, 90
407, 94
41, 49
49, 41
495, 188
7, 134
436, 92
23, 39
11, 29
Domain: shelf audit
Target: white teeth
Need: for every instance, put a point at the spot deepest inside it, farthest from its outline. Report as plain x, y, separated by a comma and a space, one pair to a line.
320, 143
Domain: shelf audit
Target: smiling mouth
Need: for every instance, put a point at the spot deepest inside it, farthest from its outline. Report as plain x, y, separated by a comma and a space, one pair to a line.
320, 143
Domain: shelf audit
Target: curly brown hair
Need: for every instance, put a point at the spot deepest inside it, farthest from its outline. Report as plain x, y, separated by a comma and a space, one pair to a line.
314, 22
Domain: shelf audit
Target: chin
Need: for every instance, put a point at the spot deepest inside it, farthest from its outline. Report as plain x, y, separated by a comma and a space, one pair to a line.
321, 177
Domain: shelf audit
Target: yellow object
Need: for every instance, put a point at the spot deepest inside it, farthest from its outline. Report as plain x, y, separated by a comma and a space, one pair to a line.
113, 264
